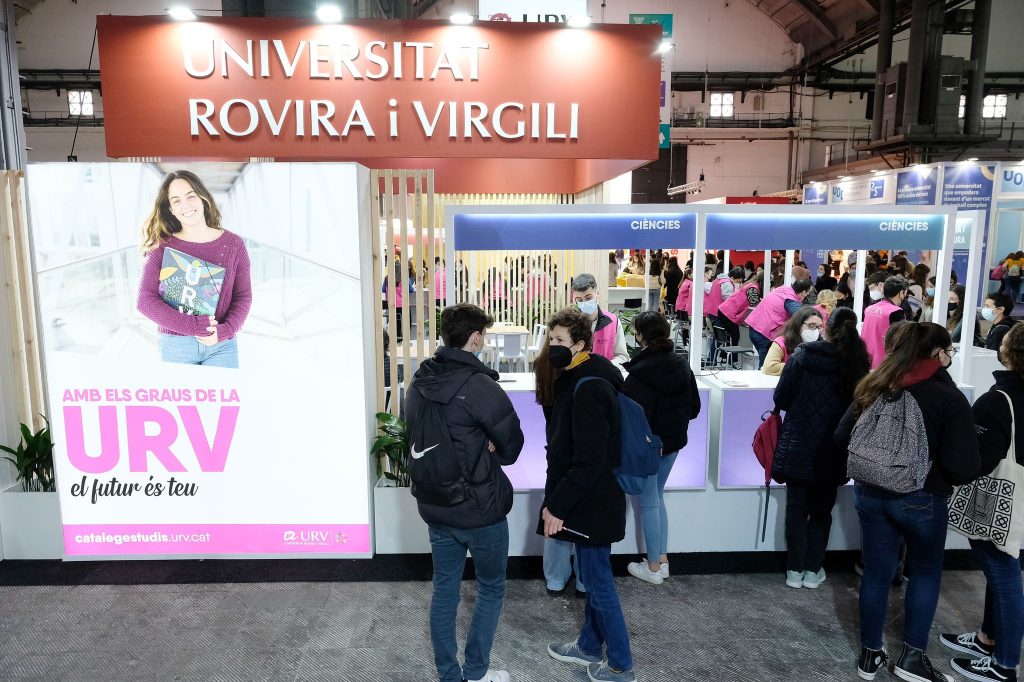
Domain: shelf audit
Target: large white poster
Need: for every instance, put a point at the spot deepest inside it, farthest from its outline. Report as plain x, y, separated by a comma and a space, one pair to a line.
205, 357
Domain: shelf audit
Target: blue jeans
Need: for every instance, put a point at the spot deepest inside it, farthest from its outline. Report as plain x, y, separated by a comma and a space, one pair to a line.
186, 350
920, 518
1004, 601
603, 622
558, 565
489, 548
762, 343
652, 509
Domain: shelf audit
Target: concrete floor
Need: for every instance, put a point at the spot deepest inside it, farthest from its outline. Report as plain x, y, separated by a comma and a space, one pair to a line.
693, 627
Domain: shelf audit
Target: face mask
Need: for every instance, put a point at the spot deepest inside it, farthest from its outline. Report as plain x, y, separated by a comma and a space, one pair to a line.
809, 335
930, 291
952, 307
875, 295
821, 273
559, 356
988, 313
707, 287
587, 307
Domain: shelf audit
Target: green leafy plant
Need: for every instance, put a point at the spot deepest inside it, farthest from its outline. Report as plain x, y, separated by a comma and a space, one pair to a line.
33, 459
390, 449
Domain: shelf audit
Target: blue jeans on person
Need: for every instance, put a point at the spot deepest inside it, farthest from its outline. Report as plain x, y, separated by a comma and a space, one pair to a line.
603, 622
489, 548
1004, 601
920, 518
187, 350
558, 565
762, 343
652, 509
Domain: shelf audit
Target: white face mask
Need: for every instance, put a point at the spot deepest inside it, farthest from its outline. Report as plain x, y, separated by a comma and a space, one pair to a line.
876, 295
988, 313
809, 335
587, 307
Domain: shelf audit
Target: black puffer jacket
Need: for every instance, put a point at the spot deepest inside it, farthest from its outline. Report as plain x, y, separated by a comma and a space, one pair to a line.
477, 410
809, 393
993, 423
584, 433
662, 383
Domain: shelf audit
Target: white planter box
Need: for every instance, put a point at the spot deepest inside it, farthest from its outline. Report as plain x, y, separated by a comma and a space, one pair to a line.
30, 525
397, 526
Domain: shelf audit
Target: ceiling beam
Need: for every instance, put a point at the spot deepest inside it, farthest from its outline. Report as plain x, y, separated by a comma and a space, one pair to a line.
817, 16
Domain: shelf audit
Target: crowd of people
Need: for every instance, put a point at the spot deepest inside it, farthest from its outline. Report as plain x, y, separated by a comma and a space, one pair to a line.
842, 392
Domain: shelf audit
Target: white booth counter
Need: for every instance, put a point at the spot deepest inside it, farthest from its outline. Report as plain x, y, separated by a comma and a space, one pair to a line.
617, 296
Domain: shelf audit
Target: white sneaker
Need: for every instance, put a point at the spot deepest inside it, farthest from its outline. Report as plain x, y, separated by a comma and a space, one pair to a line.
640, 569
813, 580
794, 579
494, 676
664, 570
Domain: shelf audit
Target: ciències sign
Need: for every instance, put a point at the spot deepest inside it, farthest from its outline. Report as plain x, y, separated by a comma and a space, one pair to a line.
290, 89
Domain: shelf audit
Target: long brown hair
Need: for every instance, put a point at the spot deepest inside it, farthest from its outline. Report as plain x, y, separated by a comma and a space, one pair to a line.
544, 376
161, 223
911, 342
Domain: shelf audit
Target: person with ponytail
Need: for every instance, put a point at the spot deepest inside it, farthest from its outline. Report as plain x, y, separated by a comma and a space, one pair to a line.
815, 390
662, 383
916, 362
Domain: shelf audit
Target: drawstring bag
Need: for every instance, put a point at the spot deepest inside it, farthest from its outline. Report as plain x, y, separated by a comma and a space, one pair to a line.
991, 507
766, 439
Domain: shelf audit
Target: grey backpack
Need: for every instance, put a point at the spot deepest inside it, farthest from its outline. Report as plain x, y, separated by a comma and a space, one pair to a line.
889, 445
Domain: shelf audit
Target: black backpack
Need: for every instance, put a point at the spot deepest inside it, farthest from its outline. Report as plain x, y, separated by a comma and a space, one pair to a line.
435, 468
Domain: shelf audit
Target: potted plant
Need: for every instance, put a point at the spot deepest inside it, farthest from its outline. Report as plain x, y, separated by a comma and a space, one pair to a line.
29, 510
397, 524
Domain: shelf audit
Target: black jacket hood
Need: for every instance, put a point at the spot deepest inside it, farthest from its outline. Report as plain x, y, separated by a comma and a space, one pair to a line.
660, 370
440, 377
821, 357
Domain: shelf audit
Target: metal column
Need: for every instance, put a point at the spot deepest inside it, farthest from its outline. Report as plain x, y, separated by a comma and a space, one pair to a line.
915, 63
886, 18
979, 51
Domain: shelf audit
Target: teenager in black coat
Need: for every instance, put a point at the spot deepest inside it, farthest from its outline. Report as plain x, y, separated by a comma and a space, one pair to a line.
662, 383
999, 639
815, 390
583, 502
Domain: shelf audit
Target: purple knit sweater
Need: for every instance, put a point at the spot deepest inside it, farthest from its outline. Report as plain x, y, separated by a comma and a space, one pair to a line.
228, 251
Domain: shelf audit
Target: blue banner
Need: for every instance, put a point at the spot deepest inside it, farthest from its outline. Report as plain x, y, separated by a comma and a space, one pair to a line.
968, 186
762, 231
815, 195
916, 187
1012, 179
555, 231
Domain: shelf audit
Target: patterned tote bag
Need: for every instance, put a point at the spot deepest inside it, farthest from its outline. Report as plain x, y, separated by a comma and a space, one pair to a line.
992, 507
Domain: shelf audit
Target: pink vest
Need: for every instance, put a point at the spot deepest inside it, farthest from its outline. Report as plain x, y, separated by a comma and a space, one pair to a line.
604, 338
770, 314
713, 301
781, 342
824, 315
440, 285
735, 307
536, 285
876, 323
684, 301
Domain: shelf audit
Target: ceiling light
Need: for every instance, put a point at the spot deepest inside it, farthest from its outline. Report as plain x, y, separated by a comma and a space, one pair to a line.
329, 14
180, 13
665, 46
843, 177
579, 21
461, 18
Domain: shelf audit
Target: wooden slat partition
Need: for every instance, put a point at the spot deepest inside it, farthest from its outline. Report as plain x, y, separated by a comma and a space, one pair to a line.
17, 254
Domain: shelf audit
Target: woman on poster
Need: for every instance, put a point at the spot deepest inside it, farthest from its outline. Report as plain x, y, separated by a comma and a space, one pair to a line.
195, 281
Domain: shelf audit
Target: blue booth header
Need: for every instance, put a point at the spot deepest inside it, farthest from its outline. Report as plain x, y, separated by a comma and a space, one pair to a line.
574, 231
763, 231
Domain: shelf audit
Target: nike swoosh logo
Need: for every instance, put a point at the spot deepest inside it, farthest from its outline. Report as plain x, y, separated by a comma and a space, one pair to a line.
417, 455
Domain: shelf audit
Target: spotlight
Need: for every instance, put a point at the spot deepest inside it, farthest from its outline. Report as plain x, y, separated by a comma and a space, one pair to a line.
665, 46
579, 21
180, 13
328, 14
461, 18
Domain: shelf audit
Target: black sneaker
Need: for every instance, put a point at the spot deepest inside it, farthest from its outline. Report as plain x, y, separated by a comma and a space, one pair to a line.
983, 669
914, 666
870, 661
967, 643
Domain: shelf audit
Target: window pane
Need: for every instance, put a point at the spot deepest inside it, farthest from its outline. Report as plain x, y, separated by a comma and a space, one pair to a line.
989, 101
87, 109
76, 109
1000, 112
727, 98
988, 112
1000, 100
87, 97
961, 114
716, 110
716, 98
73, 97
727, 111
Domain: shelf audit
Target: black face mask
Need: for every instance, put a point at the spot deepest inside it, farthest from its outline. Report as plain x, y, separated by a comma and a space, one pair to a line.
952, 307
559, 356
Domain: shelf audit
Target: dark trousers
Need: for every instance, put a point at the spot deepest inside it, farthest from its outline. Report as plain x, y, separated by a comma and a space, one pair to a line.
731, 328
808, 524
762, 343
